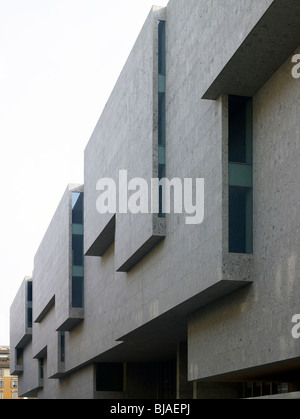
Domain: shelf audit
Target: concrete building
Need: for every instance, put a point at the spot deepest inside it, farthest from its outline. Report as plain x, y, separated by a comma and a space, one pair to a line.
145, 305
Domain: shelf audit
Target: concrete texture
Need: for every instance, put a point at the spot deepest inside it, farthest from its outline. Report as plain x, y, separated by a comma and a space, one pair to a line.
256, 324
158, 292
127, 133
272, 40
20, 334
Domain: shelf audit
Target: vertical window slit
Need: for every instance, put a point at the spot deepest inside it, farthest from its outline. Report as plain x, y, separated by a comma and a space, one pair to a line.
240, 175
161, 108
77, 250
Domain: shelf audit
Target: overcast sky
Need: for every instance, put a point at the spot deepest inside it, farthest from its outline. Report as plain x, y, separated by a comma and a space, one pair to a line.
59, 61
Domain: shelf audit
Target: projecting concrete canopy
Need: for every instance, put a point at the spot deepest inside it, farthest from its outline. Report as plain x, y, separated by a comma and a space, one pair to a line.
274, 38
158, 338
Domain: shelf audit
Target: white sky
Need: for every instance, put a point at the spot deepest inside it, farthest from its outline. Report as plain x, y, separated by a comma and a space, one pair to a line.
59, 61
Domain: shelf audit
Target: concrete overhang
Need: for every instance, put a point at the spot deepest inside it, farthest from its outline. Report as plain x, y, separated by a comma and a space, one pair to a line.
270, 43
75, 316
141, 252
26, 338
283, 371
158, 338
104, 240
173, 323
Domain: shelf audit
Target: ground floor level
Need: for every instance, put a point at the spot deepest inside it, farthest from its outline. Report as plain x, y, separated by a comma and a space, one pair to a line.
167, 379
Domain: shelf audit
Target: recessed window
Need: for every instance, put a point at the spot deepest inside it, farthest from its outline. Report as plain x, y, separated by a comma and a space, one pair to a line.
240, 175
77, 250
41, 368
161, 108
62, 346
29, 303
77, 291
77, 246
77, 208
19, 353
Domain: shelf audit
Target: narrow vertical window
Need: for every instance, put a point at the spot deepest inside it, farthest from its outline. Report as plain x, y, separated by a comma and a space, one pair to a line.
161, 108
240, 175
29, 303
77, 249
19, 356
62, 346
41, 368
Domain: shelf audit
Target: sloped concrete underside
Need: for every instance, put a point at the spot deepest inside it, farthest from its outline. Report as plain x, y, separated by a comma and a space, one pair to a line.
267, 47
158, 338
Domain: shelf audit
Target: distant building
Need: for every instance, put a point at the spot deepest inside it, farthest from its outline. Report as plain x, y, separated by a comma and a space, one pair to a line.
8, 383
144, 305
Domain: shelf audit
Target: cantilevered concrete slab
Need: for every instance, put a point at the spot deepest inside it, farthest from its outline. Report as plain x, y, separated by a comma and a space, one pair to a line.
158, 338
273, 39
104, 240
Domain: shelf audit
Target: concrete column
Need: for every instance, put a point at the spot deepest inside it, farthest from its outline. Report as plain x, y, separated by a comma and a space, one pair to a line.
195, 389
184, 389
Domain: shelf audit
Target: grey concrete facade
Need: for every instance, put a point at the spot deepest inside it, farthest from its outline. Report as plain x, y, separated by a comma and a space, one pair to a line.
165, 301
